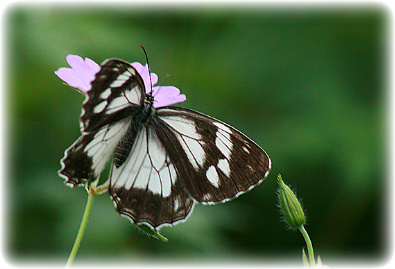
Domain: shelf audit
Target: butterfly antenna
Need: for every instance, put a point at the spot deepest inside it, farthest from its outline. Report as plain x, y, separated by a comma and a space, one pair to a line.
149, 72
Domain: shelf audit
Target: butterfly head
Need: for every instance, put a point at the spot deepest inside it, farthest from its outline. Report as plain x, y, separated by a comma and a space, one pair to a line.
149, 100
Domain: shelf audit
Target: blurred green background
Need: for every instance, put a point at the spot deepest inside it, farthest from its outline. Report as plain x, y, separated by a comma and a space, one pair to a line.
307, 83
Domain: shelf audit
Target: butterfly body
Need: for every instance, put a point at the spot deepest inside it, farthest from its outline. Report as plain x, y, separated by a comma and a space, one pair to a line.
165, 159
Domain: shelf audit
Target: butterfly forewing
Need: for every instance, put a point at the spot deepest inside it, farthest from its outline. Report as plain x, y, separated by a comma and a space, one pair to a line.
215, 161
115, 96
117, 92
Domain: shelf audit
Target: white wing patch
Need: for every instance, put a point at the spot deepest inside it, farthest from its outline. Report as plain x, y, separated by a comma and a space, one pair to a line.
223, 140
121, 79
223, 164
133, 96
147, 167
117, 104
100, 107
104, 142
189, 138
129, 97
212, 176
105, 94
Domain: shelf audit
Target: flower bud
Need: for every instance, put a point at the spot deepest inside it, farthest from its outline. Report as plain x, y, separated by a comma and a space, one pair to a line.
290, 206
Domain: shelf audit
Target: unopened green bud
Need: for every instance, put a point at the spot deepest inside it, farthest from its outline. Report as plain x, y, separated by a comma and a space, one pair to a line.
290, 206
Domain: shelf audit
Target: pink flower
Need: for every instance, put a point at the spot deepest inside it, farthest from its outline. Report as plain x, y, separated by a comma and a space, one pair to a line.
82, 73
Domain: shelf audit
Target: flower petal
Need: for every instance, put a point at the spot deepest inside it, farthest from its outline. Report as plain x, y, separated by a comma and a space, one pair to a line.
145, 75
69, 76
81, 73
94, 67
167, 95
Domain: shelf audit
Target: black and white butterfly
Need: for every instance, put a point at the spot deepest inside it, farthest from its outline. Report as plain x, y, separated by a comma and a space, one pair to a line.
165, 160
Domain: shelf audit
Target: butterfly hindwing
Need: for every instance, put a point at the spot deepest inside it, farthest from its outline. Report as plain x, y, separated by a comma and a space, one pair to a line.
146, 187
85, 159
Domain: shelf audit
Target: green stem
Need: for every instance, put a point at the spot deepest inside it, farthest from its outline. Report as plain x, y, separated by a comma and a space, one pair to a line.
80, 234
310, 250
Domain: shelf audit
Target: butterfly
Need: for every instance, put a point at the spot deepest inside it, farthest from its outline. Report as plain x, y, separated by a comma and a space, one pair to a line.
165, 159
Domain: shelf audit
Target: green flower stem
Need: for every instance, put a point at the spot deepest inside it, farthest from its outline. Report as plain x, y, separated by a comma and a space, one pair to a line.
81, 231
310, 250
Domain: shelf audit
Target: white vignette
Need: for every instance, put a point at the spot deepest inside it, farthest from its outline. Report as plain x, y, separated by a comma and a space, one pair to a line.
389, 112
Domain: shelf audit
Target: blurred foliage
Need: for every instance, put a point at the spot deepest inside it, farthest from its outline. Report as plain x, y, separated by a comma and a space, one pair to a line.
308, 84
